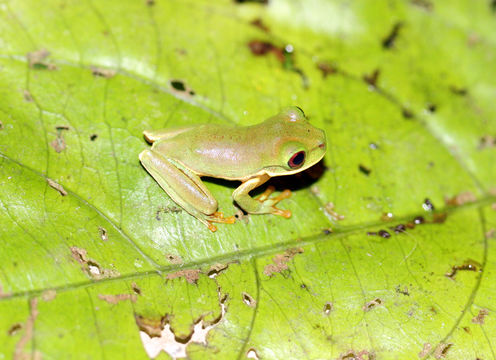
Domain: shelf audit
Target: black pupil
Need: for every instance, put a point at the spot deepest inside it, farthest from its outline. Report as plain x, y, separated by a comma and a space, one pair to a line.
297, 159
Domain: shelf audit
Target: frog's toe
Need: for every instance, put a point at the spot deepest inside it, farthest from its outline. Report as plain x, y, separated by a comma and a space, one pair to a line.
218, 217
284, 213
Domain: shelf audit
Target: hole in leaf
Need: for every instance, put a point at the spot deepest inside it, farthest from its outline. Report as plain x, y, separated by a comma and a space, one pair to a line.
252, 354
136, 288
248, 300
103, 233
372, 304
428, 205
178, 85
328, 308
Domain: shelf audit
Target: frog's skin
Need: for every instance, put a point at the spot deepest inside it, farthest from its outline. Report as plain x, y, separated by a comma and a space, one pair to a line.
281, 145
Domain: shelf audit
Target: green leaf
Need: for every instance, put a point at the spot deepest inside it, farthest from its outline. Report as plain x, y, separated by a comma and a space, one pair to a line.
98, 262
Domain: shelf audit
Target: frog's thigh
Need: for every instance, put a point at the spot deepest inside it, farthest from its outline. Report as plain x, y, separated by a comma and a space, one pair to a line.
181, 184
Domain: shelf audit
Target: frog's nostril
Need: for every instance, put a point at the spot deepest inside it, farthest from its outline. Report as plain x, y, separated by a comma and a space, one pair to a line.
322, 145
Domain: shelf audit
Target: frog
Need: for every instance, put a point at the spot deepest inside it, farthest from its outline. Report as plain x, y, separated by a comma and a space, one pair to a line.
284, 144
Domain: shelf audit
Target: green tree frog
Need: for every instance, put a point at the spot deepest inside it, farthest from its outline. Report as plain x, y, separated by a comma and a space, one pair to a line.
284, 144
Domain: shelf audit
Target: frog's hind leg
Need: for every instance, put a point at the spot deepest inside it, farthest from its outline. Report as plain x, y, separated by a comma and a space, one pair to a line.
184, 187
153, 135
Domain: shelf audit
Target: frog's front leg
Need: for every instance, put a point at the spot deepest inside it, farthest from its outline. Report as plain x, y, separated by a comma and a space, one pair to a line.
263, 204
184, 187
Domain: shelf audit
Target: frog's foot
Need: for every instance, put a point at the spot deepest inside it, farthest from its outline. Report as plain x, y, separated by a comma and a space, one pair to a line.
218, 217
270, 203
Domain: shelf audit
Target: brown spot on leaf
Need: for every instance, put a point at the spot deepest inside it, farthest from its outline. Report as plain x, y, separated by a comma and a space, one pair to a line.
407, 113
114, 299
93, 137
329, 209
37, 60
280, 261
258, 23
166, 210
90, 266
327, 69
20, 348
372, 78
425, 351
152, 327
490, 233
458, 91
258, 47
460, 199
403, 291
191, 276
389, 41
48, 295
14, 329
248, 299
372, 304
487, 142
364, 170
424, 4
479, 319
357, 355
27, 96
442, 350
439, 218
56, 186
58, 144
174, 259
468, 265
216, 269
252, 1
387, 216
102, 72
2, 293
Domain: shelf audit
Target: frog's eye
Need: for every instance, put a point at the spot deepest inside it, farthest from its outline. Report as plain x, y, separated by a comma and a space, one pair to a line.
297, 160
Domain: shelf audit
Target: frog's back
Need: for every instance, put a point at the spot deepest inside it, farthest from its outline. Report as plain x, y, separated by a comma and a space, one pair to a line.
227, 152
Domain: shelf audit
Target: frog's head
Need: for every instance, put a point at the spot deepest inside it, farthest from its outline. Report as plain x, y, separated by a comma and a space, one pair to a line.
298, 145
